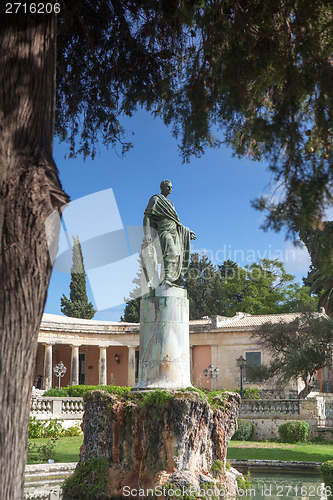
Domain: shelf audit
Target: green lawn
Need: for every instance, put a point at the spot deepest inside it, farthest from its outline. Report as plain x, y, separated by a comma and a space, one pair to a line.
257, 450
67, 448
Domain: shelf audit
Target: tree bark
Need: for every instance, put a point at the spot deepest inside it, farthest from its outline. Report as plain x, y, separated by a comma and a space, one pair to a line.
30, 191
309, 383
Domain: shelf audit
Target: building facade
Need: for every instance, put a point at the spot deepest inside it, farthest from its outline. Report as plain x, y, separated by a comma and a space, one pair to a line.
103, 352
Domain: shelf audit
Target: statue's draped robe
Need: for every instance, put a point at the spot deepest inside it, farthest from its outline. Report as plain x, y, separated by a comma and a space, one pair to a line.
174, 237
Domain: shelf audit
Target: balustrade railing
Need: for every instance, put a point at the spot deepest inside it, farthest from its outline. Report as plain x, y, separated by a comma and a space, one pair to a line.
72, 406
41, 405
63, 408
270, 406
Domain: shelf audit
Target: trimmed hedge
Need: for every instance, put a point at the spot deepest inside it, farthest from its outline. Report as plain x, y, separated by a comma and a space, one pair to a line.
75, 391
294, 431
56, 393
244, 432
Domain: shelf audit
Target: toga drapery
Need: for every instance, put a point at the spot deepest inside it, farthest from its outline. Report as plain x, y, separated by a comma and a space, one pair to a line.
174, 237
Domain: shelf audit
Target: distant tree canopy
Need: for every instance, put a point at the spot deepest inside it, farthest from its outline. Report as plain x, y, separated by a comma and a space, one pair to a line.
256, 76
77, 306
263, 287
297, 349
319, 243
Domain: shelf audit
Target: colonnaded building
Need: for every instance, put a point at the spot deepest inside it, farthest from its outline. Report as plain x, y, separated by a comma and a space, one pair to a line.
105, 352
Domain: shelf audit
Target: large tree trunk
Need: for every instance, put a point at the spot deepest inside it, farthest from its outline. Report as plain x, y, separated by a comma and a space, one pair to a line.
29, 191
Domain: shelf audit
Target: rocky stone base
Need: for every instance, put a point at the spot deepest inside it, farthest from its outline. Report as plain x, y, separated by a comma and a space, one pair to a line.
144, 445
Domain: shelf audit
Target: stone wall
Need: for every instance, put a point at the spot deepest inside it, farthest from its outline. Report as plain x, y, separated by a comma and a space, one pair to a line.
157, 439
268, 415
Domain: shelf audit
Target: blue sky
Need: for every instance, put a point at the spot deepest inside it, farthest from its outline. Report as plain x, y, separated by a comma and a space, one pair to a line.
211, 194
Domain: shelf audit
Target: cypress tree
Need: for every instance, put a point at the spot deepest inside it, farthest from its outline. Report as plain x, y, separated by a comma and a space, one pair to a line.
77, 306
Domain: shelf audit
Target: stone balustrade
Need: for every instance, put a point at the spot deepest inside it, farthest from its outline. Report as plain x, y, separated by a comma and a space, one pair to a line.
270, 406
268, 414
62, 408
265, 414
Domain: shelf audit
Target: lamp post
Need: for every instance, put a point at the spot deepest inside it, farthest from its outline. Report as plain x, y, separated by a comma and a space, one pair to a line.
241, 362
59, 370
211, 373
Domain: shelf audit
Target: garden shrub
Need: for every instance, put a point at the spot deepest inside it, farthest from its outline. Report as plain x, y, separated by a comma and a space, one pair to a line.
250, 392
74, 430
44, 428
80, 390
52, 428
36, 428
326, 472
245, 430
294, 431
56, 393
90, 480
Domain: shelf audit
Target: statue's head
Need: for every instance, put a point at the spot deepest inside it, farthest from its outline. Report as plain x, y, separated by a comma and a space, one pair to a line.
166, 187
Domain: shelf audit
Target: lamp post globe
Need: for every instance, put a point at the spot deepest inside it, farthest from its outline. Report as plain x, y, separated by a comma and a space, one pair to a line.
211, 373
59, 371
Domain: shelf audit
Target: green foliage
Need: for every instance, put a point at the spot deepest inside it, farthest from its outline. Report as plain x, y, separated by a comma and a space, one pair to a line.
90, 480
294, 431
132, 311
298, 349
156, 398
44, 428
77, 306
326, 472
263, 287
55, 392
72, 431
38, 453
319, 244
215, 398
36, 428
217, 468
80, 390
244, 432
51, 428
256, 77
250, 392
244, 482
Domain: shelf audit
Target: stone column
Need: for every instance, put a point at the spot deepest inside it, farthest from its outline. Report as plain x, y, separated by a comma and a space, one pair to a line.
131, 367
75, 365
214, 362
102, 365
164, 340
48, 367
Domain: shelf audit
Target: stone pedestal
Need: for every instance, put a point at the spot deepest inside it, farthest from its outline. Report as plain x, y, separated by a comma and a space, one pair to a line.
142, 443
164, 340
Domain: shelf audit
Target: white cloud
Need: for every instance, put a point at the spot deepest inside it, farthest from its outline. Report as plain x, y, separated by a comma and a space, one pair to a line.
297, 259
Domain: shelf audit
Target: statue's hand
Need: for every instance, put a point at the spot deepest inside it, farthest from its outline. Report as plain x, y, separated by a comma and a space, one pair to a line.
193, 235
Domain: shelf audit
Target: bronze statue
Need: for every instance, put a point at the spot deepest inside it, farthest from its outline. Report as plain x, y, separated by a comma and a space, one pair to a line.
161, 218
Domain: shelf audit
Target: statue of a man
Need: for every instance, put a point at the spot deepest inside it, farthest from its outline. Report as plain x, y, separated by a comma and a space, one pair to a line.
161, 216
